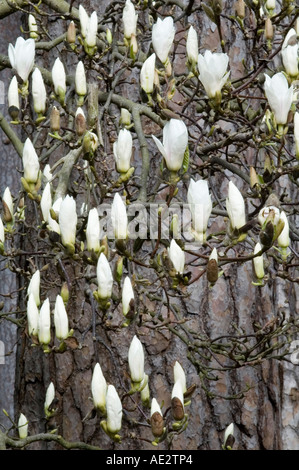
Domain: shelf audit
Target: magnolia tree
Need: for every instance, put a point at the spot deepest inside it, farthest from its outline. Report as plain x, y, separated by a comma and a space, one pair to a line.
155, 167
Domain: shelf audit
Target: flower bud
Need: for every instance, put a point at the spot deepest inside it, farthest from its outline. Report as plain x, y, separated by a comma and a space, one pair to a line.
136, 360
59, 80
30, 162
240, 8
32, 316
34, 287
283, 239
33, 29
50, 396
39, 92
44, 325
125, 117
68, 221
177, 401
93, 231
13, 98
122, 150
46, 202
192, 46
289, 53
258, 262
71, 33
127, 297
179, 374
61, 321
22, 426
229, 439
55, 120
119, 218
104, 277
147, 74
114, 410
7, 203
212, 267
157, 422
177, 257
129, 18
65, 293
163, 32
99, 389
235, 207
279, 95
269, 31
200, 204
80, 80
80, 122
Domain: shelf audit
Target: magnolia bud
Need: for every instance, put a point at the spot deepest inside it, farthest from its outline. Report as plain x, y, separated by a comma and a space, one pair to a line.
44, 325
229, 439
30, 162
34, 287
68, 221
179, 374
22, 426
50, 395
136, 360
61, 321
240, 8
33, 29
109, 36
55, 120
99, 388
80, 80
283, 239
125, 117
212, 267
157, 422
65, 293
32, 316
71, 33
13, 98
128, 298
7, 203
177, 401
93, 231
80, 122
258, 262
104, 277
46, 202
119, 218
269, 32
59, 79
114, 410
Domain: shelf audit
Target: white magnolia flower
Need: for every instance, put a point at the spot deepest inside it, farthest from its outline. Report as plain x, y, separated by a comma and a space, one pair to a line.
147, 74
84, 20
235, 207
80, 79
192, 46
122, 150
34, 287
162, 37
44, 324
92, 30
279, 96
22, 426
284, 238
296, 133
179, 374
47, 173
2, 233
212, 72
59, 78
127, 295
200, 204
136, 360
7, 200
68, 221
46, 202
114, 410
228, 431
50, 395
104, 277
258, 262
32, 25
175, 141
119, 218
267, 211
39, 92
61, 320
93, 230
289, 53
30, 162
32, 316
177, 256
98, 388
129, 19
13, 94
22, 57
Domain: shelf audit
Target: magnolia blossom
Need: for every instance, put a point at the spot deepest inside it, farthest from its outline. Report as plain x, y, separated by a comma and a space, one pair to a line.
50, 395
179, 374
122, 150
30, 162
46, 202
13, 94
177, 401
8, 203
175, 141
32, 316
200, 204
212, 72
136, 360
80, 80
177, 256
296, 133
114, 410
61, 320
269, 211
283, 239
258, 262
289, 53
44, 324
127, 295
39, 92
22, 426
89, 26
119, 218
98, 388
84, 19
22, 57
104, 277
59, 78
229, 431
129, 19
192, 46
279, 96
33, 29
93, 230
270, 4
68, 221
162, 37
235, 207
34, 287
147, 74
